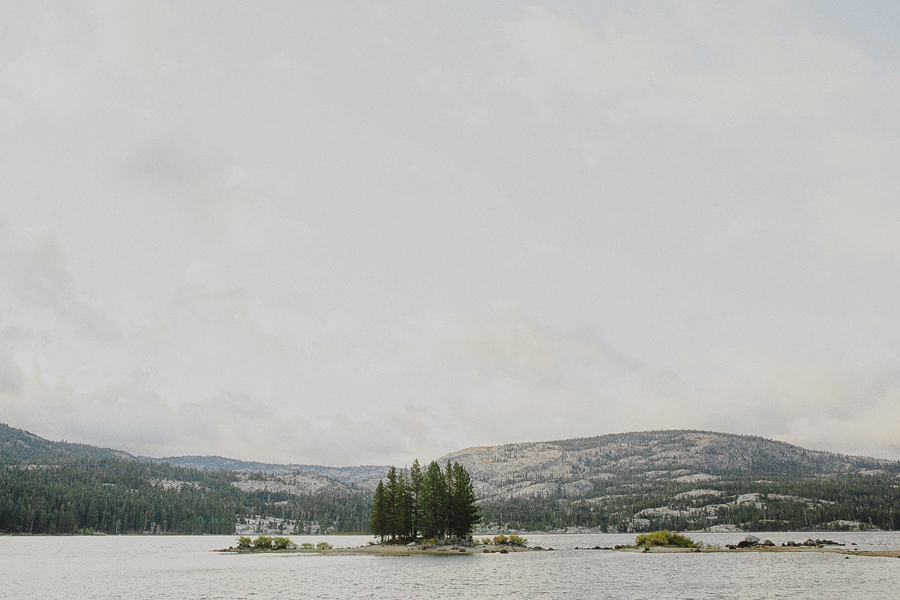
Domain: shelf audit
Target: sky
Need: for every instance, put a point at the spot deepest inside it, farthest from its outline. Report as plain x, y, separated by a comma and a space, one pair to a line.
365, 232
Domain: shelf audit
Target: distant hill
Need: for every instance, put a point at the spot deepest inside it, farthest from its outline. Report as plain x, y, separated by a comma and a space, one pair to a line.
20, 446
363, 475
578, 467
679, 480
58, 487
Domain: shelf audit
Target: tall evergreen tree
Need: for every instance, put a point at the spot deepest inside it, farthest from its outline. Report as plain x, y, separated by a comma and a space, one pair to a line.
415, 483
434, 502
391, 497
379, 516
464, 510
402, 516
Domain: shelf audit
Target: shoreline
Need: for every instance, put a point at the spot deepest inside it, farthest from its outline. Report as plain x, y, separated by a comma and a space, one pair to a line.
397, 550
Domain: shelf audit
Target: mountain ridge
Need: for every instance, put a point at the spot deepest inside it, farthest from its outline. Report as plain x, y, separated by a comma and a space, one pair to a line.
361, 474
637, 481
672, 453
575, 466
18, 445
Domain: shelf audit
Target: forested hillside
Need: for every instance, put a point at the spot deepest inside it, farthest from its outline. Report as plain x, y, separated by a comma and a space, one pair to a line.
55, 487
680, 480
677, 480
583, 467
20, 446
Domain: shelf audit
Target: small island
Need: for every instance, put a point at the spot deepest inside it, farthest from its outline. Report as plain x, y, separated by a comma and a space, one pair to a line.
500, 544
430, 511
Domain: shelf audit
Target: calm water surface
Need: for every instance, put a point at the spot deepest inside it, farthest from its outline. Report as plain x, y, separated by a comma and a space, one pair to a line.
137, 567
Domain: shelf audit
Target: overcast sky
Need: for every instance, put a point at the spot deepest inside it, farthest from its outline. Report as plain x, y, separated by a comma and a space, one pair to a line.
355, 233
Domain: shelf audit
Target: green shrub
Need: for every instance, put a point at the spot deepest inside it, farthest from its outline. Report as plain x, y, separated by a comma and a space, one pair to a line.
515, 540
262, 542
306, 546
282, 543
485, 541
244, 543
501, 539
323, 546
664, 538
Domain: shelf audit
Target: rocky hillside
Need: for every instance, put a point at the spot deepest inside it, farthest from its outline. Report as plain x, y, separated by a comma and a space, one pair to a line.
362, 475
20, 446
585, 467
293, 484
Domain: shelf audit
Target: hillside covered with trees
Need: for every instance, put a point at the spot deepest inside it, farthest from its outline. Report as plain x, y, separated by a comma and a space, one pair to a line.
680, 480
676, 480
56, 487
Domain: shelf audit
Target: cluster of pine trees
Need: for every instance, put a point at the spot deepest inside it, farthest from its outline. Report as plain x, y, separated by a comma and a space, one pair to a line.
432, 504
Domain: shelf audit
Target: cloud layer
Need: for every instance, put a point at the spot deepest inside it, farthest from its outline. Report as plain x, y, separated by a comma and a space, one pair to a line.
358, 236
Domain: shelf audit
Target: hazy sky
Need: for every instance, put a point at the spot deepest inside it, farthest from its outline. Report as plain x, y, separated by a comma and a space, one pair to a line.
349, 233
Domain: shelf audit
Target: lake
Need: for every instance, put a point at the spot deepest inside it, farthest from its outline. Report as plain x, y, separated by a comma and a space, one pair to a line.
138, 567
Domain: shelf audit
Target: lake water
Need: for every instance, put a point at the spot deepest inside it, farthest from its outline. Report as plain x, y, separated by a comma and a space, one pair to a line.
138, 567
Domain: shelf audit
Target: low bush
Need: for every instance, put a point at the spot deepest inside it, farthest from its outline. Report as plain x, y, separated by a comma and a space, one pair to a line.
501, 539
262, 542
515, 540
245, 543
323, 546
664, 539
283, 543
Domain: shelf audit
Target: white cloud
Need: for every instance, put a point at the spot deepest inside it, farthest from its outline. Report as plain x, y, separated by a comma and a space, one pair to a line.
798, 103
431, 386
693, 67
218, 198
10, 375
712, 186
858, 211
36, 274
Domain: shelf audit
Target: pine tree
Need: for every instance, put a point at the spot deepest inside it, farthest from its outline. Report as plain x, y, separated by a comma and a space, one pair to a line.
464, 510
391, 497
402, 516
378, 517
451, 500
434, 502
415, 483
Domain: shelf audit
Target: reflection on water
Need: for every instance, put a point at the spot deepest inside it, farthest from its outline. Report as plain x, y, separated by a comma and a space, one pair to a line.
184, 567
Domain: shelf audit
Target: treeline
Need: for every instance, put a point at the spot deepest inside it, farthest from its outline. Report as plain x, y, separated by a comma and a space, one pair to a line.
114, 496
311, 514
781, 505
124, 496
432, 504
